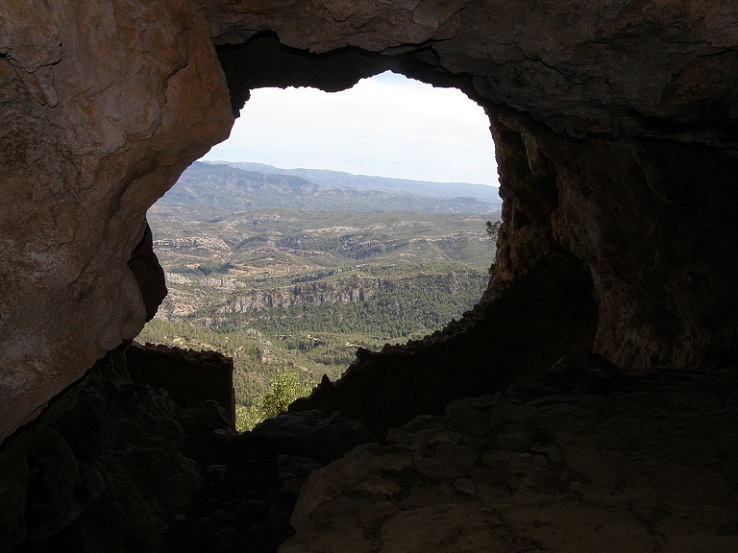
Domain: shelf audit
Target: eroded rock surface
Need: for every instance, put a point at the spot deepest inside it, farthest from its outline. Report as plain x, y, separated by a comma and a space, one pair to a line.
96, 99
589, 458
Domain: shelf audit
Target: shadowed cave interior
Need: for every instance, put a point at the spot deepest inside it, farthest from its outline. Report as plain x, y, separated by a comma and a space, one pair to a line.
598, 368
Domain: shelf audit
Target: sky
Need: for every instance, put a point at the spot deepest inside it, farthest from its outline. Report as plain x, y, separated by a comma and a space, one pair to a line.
386, 126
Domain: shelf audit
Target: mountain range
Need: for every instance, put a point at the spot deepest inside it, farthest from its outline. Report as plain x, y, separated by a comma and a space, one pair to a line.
293, 272
227, 187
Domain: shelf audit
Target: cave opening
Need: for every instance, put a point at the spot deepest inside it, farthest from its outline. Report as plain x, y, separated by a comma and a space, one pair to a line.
616, 129
216, 299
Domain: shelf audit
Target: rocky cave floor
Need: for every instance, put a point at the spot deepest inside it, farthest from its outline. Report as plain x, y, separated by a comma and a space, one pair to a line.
243, 504
251, 480
585, 458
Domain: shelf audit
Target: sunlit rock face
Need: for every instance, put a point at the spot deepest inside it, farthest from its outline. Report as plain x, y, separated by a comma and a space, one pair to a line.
615, 124
103, 105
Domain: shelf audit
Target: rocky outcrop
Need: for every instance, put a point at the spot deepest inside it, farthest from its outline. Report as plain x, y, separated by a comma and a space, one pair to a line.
318, 293
116, 466
587, 458
102, 470
188, 377
91, 134
193, 242
148, 274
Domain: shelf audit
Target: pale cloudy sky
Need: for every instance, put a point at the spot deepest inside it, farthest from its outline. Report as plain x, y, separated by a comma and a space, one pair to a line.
387, 126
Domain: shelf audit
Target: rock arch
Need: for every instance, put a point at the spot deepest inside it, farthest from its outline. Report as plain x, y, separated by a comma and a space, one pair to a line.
615, 123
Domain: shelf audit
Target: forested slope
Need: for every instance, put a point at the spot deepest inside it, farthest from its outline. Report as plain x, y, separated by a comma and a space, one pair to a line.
299, 290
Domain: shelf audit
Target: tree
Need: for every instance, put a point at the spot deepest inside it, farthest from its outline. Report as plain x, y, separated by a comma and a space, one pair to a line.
283, 390
493, 229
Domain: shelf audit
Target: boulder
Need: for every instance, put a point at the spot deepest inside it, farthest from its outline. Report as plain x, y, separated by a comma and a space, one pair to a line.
318, 434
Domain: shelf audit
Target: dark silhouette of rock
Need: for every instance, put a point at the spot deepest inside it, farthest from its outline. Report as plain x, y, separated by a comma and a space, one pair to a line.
318, 434
189, 377
102, 470
649, 469
148, 274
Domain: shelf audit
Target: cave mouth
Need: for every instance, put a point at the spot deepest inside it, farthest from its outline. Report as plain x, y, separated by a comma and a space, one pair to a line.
619, 134
458, 280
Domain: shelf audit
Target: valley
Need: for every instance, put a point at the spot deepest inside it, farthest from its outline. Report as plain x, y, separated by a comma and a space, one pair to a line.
286, 290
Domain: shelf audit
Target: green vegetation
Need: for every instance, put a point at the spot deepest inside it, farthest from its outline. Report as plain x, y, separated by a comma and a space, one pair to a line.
283, 390
211, 268
290, 295
256, 359
493, 229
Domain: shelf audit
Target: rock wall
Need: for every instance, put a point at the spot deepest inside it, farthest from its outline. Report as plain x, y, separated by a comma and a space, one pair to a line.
648, 219
102, 470
615, 123
96, 97
188, 377
342, 291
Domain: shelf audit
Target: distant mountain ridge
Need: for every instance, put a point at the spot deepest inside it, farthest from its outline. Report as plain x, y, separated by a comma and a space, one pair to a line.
282, 273
213, 190
487, 195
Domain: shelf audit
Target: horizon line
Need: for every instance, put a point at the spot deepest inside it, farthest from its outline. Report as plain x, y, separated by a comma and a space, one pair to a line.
225, 161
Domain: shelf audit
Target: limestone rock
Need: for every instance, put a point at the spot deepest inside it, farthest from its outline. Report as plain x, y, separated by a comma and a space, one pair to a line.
148, 274
91, 135
632, 471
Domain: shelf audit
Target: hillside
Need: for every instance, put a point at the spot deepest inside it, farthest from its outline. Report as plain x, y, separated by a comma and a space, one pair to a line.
300, 289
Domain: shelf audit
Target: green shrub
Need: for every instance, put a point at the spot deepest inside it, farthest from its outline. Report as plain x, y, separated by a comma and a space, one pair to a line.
283, 390
218, 268
247, 417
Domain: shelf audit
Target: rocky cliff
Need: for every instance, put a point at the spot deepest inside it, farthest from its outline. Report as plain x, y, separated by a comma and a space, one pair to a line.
302, 294
342, 291
616, 124
93, 96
